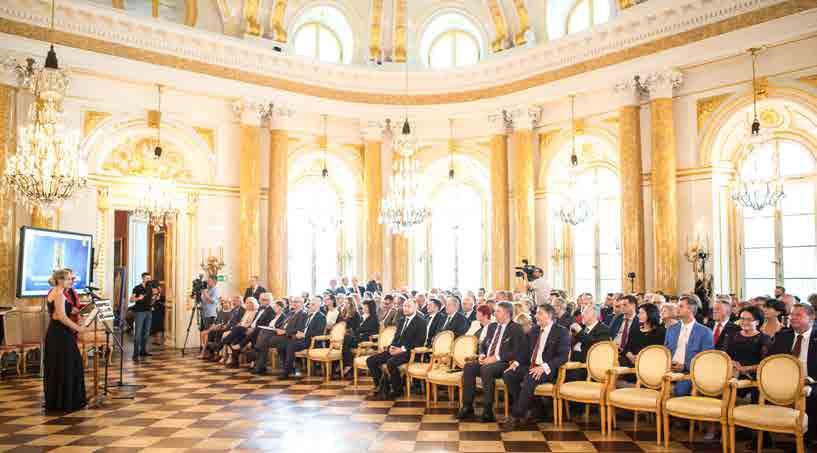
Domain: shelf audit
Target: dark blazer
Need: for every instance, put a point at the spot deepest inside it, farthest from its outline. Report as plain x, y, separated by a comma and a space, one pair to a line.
434, 327
235, 318
295, 323
458, 324
374, 287
728, 330
264, 316
512, 345
607, 316
279, 323
587, 338
370, 326
556, 350
389, 317
317, 326
256, 294
784, 343
412, 335
618, 321
566, 320
471, 317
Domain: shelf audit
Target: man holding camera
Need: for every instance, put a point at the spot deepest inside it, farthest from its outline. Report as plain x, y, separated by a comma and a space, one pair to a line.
539, 286
140, 297
210, 300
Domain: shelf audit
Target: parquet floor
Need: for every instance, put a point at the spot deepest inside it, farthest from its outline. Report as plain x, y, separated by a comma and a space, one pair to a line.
185, 404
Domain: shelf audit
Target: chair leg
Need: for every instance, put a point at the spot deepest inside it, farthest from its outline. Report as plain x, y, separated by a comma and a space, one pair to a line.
408, 386
658, 428
506, 406
798, 438
354, 377
759, 441
460, 395
724, 438
666, 430
586, 414
603, 416
308, 368
327, 370
691, 429
732, 438
428, 390
635, 421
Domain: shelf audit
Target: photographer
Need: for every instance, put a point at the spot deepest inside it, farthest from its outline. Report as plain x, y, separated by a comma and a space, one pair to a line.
209, 305
539, 286
142, 316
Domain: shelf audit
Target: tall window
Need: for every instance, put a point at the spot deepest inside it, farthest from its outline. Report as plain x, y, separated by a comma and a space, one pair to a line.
450, 40
323, 33
313, 229
586, 13
780, 243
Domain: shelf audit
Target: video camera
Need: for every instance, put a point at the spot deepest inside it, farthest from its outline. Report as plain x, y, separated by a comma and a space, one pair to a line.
199, 285
525, 270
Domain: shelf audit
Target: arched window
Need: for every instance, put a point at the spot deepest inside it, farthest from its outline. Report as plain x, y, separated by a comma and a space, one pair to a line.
456, 238
323, 33
573, 16
450, 40
779, 245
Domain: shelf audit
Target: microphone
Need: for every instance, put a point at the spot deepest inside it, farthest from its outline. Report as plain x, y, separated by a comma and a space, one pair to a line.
91, 288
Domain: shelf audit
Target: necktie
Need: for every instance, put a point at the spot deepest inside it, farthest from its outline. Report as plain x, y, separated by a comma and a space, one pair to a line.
306, 327
626, 333
716, 334
494, 341
405, 324
536, 350
447, 320
798, 345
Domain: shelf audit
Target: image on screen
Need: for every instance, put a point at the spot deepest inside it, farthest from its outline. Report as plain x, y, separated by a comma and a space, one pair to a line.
42, 251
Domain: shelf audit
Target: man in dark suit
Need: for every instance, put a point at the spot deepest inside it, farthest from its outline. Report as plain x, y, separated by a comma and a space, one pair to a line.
218, 332
314, 325
255, 289
295, 322
586, 336
434, 320
607, 312
387, 312
411, 333
801, 342
549, 348
374, 285
721, 325
469, 308
263, 316
453, 320
502, 345
625, 325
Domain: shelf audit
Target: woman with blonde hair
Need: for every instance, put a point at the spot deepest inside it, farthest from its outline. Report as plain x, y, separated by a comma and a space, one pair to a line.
64, 376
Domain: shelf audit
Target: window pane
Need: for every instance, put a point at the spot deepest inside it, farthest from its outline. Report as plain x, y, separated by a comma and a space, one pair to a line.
611, 286
798, 230
799, 198
580, 18
758, 263
601, 11
795, 159
801, 287
759, 287
467, 49
758, 232
305, 41
610, 266
585, 286
799, 262
328, 46
442, 52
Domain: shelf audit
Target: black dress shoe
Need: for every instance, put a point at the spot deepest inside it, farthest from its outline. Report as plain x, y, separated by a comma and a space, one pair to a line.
146, 354
488, 415
135, 358
394, 395
467, 412
511, 424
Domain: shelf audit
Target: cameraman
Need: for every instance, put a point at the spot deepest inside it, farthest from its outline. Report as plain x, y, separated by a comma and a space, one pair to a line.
142, 316
210, 301
539, 286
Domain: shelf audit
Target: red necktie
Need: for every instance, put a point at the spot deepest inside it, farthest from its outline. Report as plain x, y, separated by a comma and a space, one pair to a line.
625, 334
492, 348
536, 352
798, 346
716, 334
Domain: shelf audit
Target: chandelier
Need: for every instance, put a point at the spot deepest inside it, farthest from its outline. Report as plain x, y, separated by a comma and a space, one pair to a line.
47, 168
756, 189
157, 204
574, 209
403, 208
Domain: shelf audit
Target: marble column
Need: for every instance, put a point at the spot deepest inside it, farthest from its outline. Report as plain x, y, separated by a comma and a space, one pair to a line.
499, 216
277, 213
663, 182
523, 188
373, 182
250, 203
632, 196
7, 204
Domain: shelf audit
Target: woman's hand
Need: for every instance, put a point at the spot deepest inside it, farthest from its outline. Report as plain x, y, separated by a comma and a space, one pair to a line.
80, 328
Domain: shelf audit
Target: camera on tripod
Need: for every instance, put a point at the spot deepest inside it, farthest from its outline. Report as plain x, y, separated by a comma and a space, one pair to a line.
526, 271
199, 285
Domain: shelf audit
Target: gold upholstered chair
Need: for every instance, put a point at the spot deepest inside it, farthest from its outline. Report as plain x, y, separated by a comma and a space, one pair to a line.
601, 357
463, 349
440, 354
333, 352
709, 373
780, 380
651, 364
366, 349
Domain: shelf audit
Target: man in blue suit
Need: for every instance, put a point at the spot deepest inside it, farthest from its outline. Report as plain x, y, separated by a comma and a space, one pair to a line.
687, 338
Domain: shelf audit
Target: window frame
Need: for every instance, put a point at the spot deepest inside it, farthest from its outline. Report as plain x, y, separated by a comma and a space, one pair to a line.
453, 32
318, 26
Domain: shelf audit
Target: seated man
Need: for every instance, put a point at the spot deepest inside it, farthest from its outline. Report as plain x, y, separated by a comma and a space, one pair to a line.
549, 349
411, 333
434, 319
454, 320
586, 336
217, 332
687, 338
262, 317
293, 323
502, 345
315, 325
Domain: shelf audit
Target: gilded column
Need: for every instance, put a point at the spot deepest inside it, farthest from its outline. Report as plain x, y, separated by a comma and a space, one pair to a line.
523, 189
7, 223
632, 199
250, 193
277, 213
663, 182
500, 224
103, 206
373, 180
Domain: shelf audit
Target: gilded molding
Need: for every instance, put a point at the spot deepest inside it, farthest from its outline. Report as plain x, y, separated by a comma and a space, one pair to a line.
624, 4
523, 193
252, 24
118, 4
191, 12
524, 22
375, 30
400, 30
91, 120
103, 206
809, 80
250, 202
276, 21
209, 137
500, 26
373, 183
708, 105
632, 200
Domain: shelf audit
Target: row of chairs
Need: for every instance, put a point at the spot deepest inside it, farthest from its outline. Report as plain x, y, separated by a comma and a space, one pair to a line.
780, 384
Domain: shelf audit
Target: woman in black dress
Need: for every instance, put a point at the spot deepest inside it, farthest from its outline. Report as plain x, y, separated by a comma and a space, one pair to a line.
747, 347
157, 318
358, 328
650, 332
64, 384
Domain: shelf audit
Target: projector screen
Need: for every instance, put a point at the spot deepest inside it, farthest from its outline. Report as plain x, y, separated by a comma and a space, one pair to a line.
42, 251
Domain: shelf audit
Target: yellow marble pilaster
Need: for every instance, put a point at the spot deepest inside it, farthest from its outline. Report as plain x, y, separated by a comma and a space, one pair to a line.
632, 199
250, 195
400, 31
523, 191
7, 217
277, 210
500, 225
664, 197
373, 180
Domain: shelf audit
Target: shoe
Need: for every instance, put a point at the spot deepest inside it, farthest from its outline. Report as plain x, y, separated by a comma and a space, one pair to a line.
511, 424
135, 358
709, 436
395, 395
466, 413
488, 415
259, 372
146, 354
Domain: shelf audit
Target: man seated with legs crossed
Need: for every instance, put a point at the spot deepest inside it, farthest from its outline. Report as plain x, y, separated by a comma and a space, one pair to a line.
501, 347
549, 350
315, 325
410, 333
294, 323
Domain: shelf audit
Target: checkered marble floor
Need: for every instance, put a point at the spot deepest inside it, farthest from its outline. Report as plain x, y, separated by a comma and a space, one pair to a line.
185, 404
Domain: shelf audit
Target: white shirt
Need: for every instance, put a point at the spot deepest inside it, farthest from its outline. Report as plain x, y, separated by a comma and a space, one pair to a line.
624, 323
803, 347
467, 314
543, 338
683, 339
541, 290
258, 316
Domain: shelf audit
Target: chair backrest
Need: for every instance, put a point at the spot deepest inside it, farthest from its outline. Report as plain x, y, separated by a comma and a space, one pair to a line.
601, 357
780, 378
386, 337
336, 333
710, 371
652, 363
473, 328
441, 344
463, 347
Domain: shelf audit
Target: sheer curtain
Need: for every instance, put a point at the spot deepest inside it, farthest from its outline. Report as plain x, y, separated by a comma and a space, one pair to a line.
457, 233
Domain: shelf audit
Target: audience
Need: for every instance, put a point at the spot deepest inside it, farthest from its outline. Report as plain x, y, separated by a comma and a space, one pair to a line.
411, 333
687, 338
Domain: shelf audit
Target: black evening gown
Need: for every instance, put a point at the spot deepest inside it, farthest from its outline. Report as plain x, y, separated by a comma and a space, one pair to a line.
64, 376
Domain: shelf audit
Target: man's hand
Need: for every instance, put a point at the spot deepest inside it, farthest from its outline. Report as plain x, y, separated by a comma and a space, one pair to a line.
487, 360
677, 367
537, 372
299, 335
514, 365
394, 350
630, 356
575, 327
280, 331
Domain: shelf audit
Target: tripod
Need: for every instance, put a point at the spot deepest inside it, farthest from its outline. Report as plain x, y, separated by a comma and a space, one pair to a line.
196, 309
119, 341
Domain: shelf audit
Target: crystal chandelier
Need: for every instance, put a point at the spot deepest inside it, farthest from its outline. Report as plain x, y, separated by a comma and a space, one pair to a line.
323, 215
403, 208
574, 209
47, 168
157, 204
756, 189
